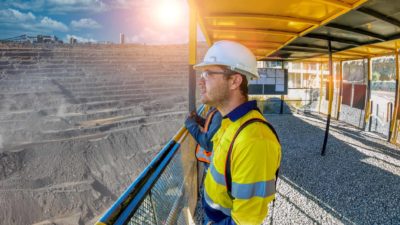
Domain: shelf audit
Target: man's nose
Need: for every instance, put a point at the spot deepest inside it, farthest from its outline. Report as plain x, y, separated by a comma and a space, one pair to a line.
201, 81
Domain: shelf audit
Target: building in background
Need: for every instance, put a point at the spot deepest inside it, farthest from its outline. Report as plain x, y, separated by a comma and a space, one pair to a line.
72, 41
33, 39
122, 38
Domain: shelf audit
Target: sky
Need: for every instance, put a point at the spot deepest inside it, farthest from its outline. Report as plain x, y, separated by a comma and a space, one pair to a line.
142, 21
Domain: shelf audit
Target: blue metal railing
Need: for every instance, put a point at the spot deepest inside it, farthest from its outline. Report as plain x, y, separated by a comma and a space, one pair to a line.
155, 196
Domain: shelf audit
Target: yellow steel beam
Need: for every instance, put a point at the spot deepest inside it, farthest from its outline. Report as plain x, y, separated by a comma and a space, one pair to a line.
320, 87
256, 48
356, 52
347, 7
99, 223
393, 125
368, 102
336, 3
255, 43
339, 102
261, 31
192, 36
262, 17
331, 86
346, 53
316, 59
192, 3
192, 57
382, 47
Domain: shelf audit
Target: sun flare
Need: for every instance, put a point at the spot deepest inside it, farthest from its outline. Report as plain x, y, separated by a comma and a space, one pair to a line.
169, 12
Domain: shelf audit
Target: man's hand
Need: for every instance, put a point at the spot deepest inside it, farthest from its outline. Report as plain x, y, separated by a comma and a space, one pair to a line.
193, 115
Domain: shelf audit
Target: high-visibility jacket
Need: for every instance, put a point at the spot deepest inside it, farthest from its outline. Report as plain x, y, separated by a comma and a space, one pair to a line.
255, 159
202, 154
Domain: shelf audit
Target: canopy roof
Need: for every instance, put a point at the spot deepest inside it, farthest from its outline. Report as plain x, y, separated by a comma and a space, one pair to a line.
300, 29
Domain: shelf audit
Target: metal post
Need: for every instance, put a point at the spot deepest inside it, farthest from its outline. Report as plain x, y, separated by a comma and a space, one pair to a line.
371, 111
330, 99
192, 59
389, 117
393, 124
339, 103
188, 160
367, 103
388, 112
377, 116
320, 87
282, 97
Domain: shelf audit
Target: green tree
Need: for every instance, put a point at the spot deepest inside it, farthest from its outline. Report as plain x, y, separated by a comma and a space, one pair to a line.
376, 76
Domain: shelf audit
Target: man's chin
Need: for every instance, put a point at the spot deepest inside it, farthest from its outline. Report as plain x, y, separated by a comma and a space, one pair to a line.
204, 100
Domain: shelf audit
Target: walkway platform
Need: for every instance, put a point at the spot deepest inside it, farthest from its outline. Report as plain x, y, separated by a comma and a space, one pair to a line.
356, 182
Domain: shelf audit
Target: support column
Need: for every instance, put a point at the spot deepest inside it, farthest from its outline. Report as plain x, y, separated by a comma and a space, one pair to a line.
328, 121
192, 58
339, 102
282, 97
320, 86
368, 100
301, 75
393, 125
188, 159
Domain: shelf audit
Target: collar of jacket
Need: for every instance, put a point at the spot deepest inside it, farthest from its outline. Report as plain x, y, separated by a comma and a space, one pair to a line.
241, 110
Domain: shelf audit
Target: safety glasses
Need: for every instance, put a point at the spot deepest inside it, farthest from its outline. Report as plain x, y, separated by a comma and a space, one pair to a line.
206, 73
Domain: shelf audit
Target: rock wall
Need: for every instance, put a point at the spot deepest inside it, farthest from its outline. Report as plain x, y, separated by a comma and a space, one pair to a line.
79, 123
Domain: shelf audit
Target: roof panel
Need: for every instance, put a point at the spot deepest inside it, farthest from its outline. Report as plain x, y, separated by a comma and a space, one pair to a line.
337, 33
380, 27
357, 33
275, 21
354, 19
387, 7
320, 43
373, 50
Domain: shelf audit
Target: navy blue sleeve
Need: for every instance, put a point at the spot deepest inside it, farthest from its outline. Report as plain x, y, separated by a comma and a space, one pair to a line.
213, 128
204, 139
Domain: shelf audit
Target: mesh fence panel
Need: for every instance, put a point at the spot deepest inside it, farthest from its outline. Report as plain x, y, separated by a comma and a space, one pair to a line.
145, 214
164, 202
168, 190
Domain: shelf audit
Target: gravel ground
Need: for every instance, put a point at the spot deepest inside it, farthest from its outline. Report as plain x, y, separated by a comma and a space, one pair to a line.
356, 182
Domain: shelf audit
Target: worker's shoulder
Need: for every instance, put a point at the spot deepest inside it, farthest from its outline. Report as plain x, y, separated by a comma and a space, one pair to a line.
255, 130
253, 114
217, 115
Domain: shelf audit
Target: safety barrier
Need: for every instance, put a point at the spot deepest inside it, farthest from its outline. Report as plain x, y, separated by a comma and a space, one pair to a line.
158, 195
299, 99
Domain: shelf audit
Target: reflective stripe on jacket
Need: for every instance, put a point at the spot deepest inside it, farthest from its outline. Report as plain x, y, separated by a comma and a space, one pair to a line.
202, 154
255, 159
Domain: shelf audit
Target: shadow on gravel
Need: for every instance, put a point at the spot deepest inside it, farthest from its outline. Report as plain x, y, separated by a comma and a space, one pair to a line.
349, 185
274, 105
359, 135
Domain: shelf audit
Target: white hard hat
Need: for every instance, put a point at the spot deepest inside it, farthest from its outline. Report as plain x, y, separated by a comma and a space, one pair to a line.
233, 55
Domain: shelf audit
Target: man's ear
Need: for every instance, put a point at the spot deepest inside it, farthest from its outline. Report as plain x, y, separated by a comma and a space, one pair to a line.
236, 81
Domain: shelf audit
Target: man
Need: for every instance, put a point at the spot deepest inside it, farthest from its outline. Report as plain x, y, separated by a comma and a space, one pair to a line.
240, 181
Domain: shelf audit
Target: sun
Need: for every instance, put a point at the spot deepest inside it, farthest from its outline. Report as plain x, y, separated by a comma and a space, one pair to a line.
169, 12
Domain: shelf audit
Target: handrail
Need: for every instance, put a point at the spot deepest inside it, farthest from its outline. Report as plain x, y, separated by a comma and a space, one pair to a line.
131, 198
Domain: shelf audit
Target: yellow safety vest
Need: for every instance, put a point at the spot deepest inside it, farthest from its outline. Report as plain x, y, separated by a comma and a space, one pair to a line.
255, 159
